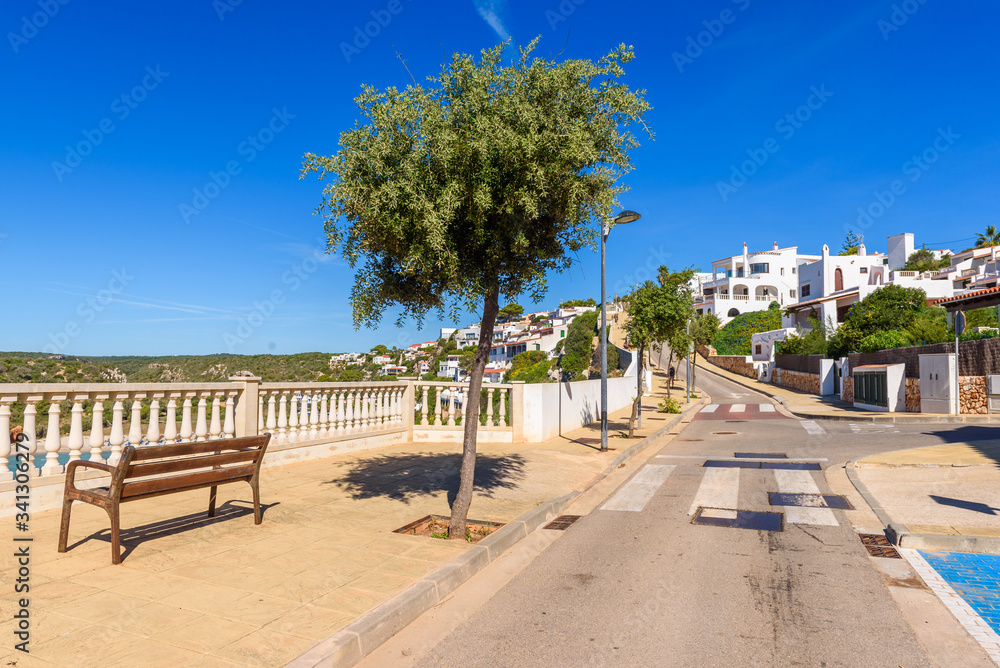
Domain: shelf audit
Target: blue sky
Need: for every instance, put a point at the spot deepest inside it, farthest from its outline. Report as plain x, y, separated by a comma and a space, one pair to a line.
114, 252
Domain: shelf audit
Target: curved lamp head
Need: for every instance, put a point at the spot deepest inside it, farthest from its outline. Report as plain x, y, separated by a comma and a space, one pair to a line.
626, 217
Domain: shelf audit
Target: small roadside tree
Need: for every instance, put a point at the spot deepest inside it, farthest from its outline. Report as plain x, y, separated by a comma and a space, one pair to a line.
473, 188
703, 330
511, 312
655, 313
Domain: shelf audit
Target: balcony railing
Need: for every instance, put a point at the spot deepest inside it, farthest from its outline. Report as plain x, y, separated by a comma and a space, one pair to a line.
767, 298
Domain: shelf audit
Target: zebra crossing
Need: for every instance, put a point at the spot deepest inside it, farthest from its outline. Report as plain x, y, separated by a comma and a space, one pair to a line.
739, 412
798, 497
874, 428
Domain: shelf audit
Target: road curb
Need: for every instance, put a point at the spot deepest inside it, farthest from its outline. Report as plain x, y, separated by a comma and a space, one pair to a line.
900, 536
362, 636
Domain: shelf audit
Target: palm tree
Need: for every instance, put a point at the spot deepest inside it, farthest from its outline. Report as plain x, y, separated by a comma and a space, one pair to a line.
991, 238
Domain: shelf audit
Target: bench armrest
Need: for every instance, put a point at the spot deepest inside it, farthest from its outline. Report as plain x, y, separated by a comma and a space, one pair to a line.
74, 465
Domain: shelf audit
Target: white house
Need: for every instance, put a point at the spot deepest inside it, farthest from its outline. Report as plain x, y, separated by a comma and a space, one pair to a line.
751, 282
448, 368
467, 336
393, 370
381, 359
832, 284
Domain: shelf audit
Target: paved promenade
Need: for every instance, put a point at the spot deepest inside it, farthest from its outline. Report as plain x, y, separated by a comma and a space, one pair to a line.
221, 591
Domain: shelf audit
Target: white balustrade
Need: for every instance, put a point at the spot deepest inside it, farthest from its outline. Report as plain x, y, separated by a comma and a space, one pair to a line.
117, 437
5, 442
97, 431
229, 426
201, 428
215, 430
76, 430
135, 424
30, 415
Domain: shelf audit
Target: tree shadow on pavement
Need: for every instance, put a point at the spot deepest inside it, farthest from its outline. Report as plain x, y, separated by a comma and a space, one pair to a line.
984, 438
965, 505
403, 478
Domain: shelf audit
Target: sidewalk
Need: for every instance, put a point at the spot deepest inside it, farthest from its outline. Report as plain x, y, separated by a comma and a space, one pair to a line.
940, 497
221, 591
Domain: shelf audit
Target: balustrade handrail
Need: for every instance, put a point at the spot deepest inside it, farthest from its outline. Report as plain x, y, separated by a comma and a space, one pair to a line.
332, 385
462, 383
121, 388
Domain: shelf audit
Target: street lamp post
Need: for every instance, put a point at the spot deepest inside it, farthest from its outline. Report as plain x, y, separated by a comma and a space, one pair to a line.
620, 219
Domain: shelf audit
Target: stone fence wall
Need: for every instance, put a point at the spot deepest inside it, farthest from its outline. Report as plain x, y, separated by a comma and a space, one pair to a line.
740, 364
912, 395
796, 380
972, 394
848, 394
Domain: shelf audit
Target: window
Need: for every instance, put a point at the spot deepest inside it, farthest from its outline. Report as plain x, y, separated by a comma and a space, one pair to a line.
793, 270
732, 313
758, 349
782, 271
699, 311
562, 333
760, 268
863, 270
791, 293
805, 290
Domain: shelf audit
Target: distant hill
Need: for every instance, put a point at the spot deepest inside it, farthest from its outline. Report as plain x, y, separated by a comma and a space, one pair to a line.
19, 367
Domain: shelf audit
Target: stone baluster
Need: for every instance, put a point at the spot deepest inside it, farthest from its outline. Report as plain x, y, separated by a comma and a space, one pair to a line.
229, 425
283, 418
52, 441
135, 424
350, 412
379, 412
201, 427
170, 426
503, 407
75, 443
97, 430
314, 416
30, 415
153, 428
215, 430
6, 445
324, 413
260, 414
451, 406
293, 418
391, 406
363, 395
400, 393
186, 431
424, 407
489, 407
272, 417
438, 405
117, 437
337, 399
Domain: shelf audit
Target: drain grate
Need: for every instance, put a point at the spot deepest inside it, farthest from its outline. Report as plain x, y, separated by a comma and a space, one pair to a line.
738, 519
878, 546
690, 440
759, 455
835, 501
725, 433
562, 522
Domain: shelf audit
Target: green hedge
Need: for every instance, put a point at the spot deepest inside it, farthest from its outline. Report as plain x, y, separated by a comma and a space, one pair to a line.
734, 338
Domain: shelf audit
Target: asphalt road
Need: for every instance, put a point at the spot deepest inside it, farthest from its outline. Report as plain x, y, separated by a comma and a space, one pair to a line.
636, 583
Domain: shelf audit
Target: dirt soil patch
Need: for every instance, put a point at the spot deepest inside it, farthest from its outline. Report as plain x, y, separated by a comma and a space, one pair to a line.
436, 526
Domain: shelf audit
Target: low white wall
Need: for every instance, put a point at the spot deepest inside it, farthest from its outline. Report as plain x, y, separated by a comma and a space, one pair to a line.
551, 409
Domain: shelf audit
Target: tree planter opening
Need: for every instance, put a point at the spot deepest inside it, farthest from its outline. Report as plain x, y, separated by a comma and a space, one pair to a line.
436, 526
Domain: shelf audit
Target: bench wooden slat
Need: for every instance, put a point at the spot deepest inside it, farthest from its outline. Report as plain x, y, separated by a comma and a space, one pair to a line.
199, 448
188, 463
188, 480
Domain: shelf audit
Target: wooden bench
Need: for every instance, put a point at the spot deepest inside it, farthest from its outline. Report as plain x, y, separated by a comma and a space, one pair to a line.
142, 473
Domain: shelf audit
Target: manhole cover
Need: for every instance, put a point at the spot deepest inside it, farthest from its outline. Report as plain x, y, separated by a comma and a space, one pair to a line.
878, 546
725, 433
810, 500
562, 522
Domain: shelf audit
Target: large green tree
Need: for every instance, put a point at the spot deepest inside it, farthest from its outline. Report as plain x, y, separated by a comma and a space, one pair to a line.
703, 330
655, 313
474, 187
988, 238
892, 307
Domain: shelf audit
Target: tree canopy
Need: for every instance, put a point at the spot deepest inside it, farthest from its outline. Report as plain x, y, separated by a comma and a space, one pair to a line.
891, 307
474, 188
988, 238
511, 312
923, 259
852, 243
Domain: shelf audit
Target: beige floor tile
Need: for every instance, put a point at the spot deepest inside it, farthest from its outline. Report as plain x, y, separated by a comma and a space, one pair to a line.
150, 654
106, 577
349, 600
265, 648
23, 660
206, 598
150, 619
59, 592
98, 607
257, 609
413, 568
154, 586
44, 627
206, 633
87, 646
382, 583
154, 561
311, 622
212, 661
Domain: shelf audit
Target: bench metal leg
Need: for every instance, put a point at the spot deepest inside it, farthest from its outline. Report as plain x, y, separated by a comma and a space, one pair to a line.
211, 501
116, 549
64, 525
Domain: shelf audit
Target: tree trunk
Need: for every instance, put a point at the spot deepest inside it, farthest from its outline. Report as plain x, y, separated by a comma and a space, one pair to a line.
694, 367
670, 363
460, 508
638, 394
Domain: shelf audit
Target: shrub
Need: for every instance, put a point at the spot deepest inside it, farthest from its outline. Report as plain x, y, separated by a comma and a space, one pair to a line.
576, 356
670, 405
734, 338
892, 338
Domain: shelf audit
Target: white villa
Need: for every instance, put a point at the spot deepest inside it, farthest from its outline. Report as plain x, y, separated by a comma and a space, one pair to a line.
832, 284
751, 282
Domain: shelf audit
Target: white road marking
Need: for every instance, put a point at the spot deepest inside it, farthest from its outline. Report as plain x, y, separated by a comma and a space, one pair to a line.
766, 408
709, 408
719, 488
812, 427
977, 627
737, 408
743, 459
802, 482
874, 428
636, 493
